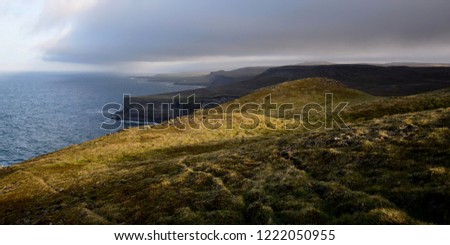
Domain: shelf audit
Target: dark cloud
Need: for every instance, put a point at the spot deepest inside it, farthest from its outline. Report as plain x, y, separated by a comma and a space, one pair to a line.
132, 30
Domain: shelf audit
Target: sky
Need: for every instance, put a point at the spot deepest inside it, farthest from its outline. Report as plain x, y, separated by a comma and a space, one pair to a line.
157, 36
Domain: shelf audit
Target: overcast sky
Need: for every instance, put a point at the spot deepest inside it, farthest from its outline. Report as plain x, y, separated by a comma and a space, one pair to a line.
200, 35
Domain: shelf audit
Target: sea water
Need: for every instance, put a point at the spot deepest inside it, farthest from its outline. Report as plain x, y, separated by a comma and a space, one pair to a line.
44, 112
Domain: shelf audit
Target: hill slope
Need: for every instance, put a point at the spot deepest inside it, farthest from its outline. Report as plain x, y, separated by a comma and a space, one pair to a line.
391, 169
374, 80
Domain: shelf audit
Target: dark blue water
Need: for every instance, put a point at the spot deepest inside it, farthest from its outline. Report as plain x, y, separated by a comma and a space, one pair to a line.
44, 112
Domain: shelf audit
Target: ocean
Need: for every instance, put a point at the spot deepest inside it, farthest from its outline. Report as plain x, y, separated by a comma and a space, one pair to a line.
43, 112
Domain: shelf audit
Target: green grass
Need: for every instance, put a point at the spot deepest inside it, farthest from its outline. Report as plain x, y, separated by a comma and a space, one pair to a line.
390, 167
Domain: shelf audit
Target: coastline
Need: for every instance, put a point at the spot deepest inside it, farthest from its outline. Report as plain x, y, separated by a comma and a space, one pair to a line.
220, 176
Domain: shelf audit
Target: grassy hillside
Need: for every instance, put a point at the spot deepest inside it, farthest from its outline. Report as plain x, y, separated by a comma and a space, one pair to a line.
301, 92
371, 79
390, 167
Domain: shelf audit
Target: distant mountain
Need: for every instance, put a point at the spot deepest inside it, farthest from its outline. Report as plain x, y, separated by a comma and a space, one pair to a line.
314, 63
215, 78
415, 64
410, 64
225, 77
374, 80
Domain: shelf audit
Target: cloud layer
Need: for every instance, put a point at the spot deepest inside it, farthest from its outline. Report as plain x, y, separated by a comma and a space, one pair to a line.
107, 32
